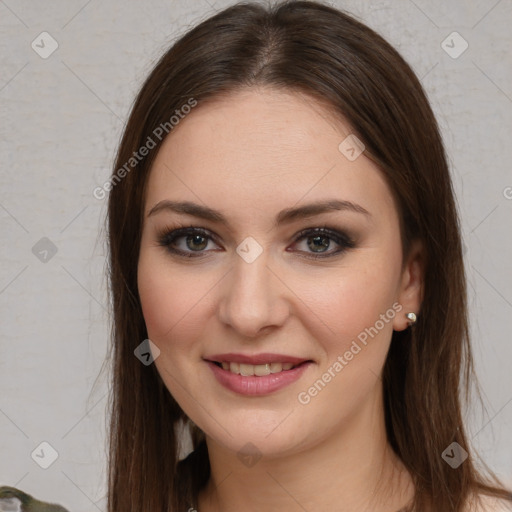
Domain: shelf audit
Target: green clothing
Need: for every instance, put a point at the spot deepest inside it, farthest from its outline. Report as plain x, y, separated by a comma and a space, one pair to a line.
14, 500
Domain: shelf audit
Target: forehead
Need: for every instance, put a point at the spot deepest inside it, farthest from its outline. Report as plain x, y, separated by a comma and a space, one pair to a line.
260, 148
256, 125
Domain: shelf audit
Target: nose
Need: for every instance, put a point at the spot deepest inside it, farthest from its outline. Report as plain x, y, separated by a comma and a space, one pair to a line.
253, 298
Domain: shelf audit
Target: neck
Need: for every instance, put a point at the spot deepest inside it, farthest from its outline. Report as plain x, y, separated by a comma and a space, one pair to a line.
352, 470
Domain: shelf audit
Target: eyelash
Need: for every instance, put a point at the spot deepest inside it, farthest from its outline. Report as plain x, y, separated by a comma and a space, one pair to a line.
168, 236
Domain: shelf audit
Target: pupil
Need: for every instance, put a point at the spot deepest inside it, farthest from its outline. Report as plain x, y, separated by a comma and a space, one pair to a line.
195, 238
317, 238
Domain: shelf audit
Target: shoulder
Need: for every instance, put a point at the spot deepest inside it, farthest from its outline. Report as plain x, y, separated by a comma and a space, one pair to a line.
485, 503
15, 500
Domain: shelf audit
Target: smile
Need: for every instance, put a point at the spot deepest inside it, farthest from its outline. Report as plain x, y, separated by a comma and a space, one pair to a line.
256, 369
256, 375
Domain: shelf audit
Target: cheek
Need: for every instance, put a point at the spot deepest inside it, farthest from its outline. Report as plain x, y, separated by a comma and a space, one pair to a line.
162, 299
173, 301
156, 301
346, 304
358, 309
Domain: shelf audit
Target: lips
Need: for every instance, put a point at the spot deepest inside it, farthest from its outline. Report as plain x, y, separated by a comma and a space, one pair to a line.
257, 374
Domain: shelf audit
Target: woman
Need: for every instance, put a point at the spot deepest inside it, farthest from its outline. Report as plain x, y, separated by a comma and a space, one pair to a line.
282, 227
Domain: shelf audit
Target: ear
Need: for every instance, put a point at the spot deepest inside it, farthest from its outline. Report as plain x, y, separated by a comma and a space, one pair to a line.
410, 293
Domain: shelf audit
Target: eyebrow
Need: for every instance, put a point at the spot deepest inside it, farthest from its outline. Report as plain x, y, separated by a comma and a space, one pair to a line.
285, 216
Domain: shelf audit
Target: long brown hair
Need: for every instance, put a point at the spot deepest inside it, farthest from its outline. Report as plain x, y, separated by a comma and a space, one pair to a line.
309, 48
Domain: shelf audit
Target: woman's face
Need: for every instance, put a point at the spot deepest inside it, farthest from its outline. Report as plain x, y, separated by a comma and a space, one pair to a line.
250, 290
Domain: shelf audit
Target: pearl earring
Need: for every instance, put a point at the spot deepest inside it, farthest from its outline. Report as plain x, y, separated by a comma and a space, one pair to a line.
412, 318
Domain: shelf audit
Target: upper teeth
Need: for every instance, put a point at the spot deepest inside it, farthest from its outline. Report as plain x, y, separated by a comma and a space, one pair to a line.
256, 369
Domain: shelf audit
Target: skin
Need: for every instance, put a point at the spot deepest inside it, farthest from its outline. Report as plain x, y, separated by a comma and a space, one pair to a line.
250, 155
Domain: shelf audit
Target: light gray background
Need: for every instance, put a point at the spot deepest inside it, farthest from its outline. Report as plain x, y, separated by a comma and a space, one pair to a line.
61, 119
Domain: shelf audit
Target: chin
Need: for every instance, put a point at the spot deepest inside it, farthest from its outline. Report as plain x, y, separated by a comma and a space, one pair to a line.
262, 436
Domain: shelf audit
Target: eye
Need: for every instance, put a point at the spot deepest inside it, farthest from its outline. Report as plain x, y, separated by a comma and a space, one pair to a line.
196, 240
319, 240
